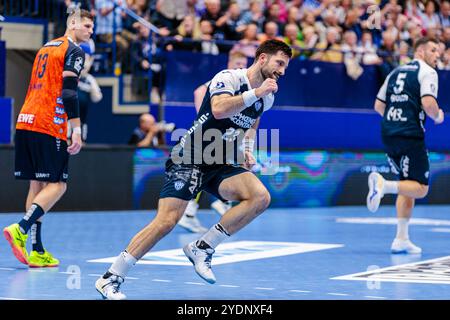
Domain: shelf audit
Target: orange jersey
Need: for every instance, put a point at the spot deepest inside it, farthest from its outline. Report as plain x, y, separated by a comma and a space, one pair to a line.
43, 110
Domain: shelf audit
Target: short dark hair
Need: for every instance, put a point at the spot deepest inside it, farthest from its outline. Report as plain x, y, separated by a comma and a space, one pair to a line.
423, 41
272, 47
83, 13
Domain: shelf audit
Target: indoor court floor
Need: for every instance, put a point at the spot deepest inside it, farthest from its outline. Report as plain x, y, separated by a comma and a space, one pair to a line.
285, 254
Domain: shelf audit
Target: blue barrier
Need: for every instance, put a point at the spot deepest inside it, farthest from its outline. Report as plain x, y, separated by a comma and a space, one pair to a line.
306, 83
6, 109
2, 68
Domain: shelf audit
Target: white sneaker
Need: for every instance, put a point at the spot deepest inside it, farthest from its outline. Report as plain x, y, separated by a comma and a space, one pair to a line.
220, 207
404, 246
376, 191
192, 224
110, 288
201, 259
189, 220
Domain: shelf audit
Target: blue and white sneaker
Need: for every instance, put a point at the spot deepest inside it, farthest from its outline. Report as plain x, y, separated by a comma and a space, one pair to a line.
109, 288
404, 246
201, 259
376, 191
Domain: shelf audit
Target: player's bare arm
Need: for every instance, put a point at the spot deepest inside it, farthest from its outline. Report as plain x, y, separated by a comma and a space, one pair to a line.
431, 108
379, 107
224, 105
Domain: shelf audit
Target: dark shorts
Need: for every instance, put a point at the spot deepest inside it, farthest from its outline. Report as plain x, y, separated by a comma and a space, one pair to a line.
40, 157
408, 158
184, 181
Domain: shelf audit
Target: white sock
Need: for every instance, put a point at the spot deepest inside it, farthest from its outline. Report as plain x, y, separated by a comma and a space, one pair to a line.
390, 187
123, 264
214, 236
402, 228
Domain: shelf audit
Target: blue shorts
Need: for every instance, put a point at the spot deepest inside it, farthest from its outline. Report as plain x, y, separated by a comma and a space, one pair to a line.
408, 158
184, 181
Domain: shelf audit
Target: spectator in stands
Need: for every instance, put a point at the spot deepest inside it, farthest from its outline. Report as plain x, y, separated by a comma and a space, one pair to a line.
187, 36
213, 11
388, 52
330, 49
310, 41
430, 19
232, 22
403, 53
444, 14
149, 132
270, 32
445, 63
272, 14
248, 44
170, 13
109, 15
207, 38
291, 32
89, 91
446, 36
255, 14
140, 53
369, 49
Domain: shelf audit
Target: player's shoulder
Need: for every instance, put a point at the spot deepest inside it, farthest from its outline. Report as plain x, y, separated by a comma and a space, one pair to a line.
234, 74
425, 68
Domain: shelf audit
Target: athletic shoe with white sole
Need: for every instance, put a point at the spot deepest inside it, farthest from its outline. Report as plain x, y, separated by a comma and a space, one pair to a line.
109, 288
201, 259
376, 191
192, 224
400, 246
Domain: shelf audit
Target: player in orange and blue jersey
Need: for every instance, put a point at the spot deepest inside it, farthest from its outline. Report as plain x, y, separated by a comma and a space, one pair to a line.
41, 150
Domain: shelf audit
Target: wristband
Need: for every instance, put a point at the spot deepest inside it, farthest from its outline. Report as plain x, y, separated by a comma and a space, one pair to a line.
249, 97
76, 130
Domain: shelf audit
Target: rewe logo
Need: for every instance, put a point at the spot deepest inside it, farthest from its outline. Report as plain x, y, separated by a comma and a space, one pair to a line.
25, 118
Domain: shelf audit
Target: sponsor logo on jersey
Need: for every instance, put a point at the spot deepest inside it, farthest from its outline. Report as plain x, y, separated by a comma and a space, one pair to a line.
42, 175
78, 65
17, 173
220, 85
26, 118
59, 110
53, 44
243, 121
395, 114
59, 100
433, 88
231, 134
58, 120
399, 97
194, 180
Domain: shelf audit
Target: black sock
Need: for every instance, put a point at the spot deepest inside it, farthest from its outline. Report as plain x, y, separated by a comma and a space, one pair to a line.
34, 213
36, 237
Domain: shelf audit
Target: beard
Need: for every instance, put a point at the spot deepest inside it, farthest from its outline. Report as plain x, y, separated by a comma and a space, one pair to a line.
267, 74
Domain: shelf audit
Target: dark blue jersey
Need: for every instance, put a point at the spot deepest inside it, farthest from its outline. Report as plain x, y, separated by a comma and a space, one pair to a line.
402, 92
219, 141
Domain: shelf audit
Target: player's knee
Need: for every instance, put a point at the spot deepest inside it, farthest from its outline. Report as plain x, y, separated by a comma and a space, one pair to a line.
261, 199
166, 224
422, 192
62, 186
